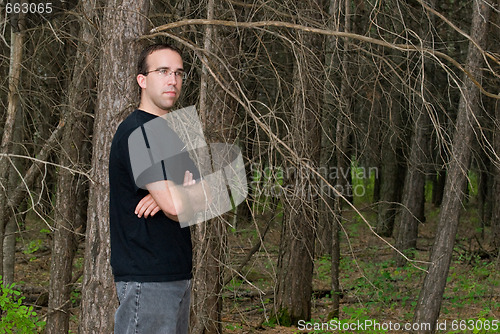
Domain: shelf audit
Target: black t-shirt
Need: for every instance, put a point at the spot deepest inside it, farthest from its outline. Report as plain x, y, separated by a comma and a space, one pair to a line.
154, 249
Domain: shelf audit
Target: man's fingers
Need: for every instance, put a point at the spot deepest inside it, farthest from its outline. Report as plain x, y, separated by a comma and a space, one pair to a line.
187, 175
151, 209
139, 205
188, 178
139, 211
155, 210
148, 211
146, 207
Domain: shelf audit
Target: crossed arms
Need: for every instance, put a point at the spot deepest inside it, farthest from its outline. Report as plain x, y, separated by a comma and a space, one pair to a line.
178, 202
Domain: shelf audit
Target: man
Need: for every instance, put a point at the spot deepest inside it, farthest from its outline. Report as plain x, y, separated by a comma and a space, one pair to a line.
151, 255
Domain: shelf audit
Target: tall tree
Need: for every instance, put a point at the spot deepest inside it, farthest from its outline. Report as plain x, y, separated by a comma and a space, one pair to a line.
343, 162
210, 238
13, 107
413, 202
391, 173
122, 23
392, 130
14, 221
295, 261
495, 162
495, 214
327, 159
67, 221
431, 295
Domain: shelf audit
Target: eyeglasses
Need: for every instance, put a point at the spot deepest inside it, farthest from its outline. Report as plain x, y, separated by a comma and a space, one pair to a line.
165, 72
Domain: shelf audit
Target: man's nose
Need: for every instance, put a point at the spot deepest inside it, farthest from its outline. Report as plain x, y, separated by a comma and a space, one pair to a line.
172, 78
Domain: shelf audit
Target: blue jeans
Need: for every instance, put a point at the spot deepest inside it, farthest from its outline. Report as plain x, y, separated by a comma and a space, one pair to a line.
153, 307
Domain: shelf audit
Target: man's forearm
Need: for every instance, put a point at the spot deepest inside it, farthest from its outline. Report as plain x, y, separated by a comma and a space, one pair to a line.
179, 202
168, 197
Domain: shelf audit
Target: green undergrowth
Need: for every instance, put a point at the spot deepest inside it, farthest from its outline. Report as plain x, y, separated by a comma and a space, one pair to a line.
373, 289
15, 316
377, 291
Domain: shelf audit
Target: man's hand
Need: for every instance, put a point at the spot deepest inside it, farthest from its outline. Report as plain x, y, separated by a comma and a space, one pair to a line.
188, 179
147, 207
180, 202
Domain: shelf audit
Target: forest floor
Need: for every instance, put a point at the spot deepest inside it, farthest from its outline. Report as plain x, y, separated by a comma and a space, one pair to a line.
374, 290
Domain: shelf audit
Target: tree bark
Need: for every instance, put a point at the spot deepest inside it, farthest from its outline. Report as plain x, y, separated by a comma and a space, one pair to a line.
218, 114
342, 158
67, 222
16, 56
210, 237
495, 212
391, 131
412, 210
327, 159
431, 295
495, 167
390, 183
300, 202
123, 22
11, 229
391, 172
413, 202
482, 188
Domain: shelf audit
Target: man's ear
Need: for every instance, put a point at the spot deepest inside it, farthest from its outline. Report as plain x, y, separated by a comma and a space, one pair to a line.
141, 80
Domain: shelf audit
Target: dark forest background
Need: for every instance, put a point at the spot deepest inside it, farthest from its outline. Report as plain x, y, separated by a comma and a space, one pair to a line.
370, 134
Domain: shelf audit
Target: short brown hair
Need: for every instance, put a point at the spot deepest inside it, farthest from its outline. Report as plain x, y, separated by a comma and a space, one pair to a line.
142, 66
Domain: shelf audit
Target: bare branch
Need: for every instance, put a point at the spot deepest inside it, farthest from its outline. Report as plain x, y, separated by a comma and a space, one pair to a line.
400, 47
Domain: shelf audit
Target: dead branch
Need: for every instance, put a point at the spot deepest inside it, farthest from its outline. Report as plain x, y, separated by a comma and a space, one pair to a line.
396, 46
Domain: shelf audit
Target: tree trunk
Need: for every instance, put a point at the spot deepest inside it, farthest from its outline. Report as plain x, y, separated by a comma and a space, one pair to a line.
413, 203
296, 255
327, 200
210, 236
484, 182
123, 22
343, 160
218, 112
391, 172
495, 212
431, 295
494, 191
66, 220
207, 282
391, 132
412, 210
9, 247
16, 56
343, 164
390, 184
9, 251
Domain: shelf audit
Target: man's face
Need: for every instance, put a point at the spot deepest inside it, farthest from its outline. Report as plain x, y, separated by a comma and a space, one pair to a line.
161, 89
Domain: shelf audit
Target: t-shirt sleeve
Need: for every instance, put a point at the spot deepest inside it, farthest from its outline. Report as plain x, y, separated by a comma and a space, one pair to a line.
143, 168
157, 153
124, 157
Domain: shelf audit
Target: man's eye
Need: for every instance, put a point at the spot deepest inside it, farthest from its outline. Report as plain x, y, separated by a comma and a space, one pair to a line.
178, 73
162, 71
